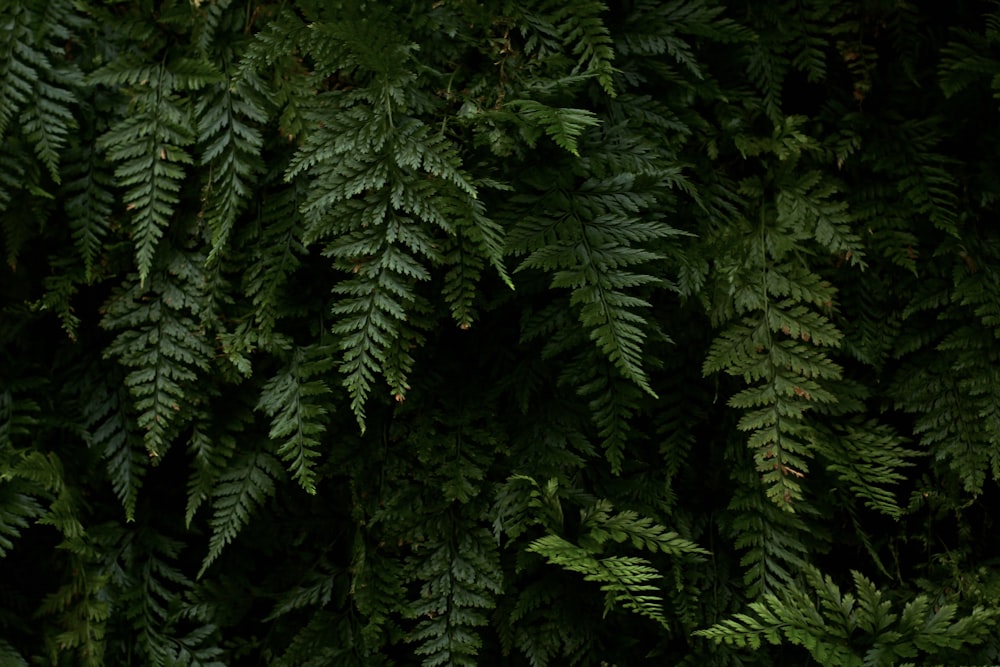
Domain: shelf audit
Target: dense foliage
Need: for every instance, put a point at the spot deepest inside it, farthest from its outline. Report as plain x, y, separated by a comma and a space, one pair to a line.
515, 332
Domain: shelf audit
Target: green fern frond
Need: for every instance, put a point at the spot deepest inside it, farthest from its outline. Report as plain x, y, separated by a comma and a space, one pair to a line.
247, 482
159, 341
460, 577
18, 509
83, 612
149, 145
378, 587
277, 232
563, 125
227, 119
31, 84
112, 432
641, 531
869, 457
767, 68
581, 26
592, 251
774, 542
87, 193
10, 656
625, 580
368, 223
851, 628
294, 400
611, 399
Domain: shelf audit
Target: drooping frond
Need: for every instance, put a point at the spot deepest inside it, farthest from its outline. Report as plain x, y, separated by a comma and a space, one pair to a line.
159, 341
246, 484
295, 399
149, 145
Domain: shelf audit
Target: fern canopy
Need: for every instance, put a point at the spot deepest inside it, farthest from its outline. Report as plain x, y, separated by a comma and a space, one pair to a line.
521, 333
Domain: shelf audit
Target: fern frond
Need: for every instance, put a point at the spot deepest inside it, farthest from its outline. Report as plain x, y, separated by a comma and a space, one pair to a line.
87, 193
211, 453
18, 509
294, 400
31, 84
592, 251
227, 119
247, 482
625, 580
563, 125
159, 341
149, 145
369, 221
112, 432
641, 531
611, 399
582, 27
278, 234
869, 457
774, 542
461, 576
852, 629
10, 656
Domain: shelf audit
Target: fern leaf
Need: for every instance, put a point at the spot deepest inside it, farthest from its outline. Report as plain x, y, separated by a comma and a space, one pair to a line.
161, 344
592, 251
870, 458
18, 509
564, 125
246, 484
625, 580
20, 61
211, 454
294, 401
88, 205
10, 657
148, 147
231, 146
278, 234
825, 629
460, 578
112, 433
611, 401
582, 27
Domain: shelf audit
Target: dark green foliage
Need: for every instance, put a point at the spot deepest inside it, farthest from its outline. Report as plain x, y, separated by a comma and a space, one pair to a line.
519, 332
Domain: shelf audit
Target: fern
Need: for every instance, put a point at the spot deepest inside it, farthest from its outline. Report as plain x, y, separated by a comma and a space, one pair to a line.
563, 125
870, 458
10, 656
278, 231
78, 607
19, 502
294, 399
459, 578
752, 296
626, 580
212, 447
834, 626
149, 145
162, 346
32, 80
112, 430
590, 251
775, 543
368, 218
247, 482
226, 119
18, 510
89, 201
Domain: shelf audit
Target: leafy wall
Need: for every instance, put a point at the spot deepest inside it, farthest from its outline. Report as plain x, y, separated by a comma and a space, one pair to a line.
499, 333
